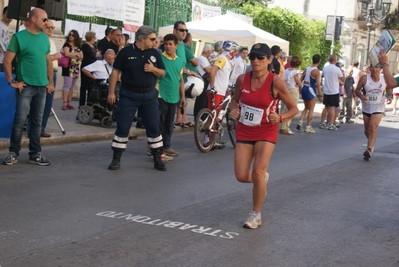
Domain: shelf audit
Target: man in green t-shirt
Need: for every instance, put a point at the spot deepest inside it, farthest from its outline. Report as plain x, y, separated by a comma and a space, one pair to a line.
171, 91
34, 80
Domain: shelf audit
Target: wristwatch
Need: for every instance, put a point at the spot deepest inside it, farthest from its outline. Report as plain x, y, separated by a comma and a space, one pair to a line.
11, 82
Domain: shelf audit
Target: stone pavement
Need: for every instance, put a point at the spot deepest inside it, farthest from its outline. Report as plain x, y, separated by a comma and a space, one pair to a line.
76, 132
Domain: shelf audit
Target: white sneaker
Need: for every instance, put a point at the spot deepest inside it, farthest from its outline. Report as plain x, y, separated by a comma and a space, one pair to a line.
309, 129
394, 112
254, 220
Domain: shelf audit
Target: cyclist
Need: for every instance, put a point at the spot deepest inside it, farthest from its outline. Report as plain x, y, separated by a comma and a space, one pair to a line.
219, 76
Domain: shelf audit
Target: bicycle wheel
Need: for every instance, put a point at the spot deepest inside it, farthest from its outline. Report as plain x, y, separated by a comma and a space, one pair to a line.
202, 134
231, 128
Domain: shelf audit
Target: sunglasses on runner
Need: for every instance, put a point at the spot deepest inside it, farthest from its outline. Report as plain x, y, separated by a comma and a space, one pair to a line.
182, 30
253, 56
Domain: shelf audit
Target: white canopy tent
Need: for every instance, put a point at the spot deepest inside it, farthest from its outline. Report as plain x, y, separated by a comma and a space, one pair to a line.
228, 27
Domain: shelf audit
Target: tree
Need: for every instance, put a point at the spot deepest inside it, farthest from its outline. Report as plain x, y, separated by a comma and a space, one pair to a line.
241, 3
306, 37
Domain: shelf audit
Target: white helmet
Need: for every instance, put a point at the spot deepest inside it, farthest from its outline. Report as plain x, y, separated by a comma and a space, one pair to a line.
193, 87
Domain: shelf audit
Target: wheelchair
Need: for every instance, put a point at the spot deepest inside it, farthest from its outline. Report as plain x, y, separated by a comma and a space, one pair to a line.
97, 106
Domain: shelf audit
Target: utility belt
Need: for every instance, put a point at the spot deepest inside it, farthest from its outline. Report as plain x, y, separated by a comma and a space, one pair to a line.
139, 90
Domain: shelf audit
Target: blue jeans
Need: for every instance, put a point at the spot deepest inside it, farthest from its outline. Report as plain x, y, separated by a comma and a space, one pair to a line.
31, 100
128, 104
166, 123
47, 107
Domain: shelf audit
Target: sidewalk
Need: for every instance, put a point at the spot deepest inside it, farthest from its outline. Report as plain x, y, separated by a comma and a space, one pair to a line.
75, 132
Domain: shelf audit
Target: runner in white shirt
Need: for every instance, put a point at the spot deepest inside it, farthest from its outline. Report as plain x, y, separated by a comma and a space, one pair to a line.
370, 90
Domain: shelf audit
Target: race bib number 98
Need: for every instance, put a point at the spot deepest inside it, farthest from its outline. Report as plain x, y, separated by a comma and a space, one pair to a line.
250, 116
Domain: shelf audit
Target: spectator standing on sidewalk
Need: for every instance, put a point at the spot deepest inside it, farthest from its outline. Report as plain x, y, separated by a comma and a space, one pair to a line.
311, 91
171, 92
189, 70
293, 83
349, 88
70, 74
332, 75
204, 68
276, 63
48, 29
115, 43
240, 66
90, 55
357, 73
138, 77
31, 47
103, 42
4, 37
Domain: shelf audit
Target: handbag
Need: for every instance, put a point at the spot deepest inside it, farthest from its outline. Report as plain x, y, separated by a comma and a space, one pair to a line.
63, 61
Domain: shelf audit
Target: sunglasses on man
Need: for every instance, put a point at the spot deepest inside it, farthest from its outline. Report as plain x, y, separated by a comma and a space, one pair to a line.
182, 30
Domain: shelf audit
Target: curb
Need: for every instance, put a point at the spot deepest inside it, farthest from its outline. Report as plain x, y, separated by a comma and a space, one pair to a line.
81, 138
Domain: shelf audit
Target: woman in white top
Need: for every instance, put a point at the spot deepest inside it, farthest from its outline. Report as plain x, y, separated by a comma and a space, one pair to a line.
293, 82
370, 91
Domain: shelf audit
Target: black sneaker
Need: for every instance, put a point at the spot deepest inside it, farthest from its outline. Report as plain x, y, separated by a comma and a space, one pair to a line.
39, 159
10, 159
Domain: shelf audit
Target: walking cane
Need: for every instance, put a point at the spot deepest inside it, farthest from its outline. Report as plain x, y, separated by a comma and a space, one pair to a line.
58, 121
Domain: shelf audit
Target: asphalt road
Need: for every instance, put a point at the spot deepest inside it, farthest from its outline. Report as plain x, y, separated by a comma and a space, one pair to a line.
325, 206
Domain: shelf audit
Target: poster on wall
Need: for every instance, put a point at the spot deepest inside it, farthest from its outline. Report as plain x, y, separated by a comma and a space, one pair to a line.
130, 12
201, 11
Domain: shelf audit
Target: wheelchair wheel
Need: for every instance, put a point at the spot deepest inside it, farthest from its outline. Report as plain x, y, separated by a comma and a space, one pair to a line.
231, 128
85, 114
106, 121
204, 139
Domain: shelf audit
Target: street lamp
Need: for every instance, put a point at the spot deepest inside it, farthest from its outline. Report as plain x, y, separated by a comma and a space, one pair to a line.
372, 12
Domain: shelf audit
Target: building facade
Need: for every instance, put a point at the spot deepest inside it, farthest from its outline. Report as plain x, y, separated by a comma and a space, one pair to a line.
353, 38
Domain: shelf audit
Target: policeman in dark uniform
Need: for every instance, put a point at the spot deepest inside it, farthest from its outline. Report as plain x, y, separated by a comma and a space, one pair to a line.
140, 66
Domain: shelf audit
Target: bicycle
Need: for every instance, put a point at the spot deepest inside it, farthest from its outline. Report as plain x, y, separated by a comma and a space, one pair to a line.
207, 127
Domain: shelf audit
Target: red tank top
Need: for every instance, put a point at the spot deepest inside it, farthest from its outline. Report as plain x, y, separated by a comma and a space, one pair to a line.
261, 99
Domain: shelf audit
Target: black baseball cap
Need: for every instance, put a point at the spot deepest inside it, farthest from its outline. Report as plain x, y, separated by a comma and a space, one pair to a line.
261, 49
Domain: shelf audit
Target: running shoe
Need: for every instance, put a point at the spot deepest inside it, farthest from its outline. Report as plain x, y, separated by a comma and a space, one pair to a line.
309, 129
332, 127
367, 155
323, 125
254, 220
299, 126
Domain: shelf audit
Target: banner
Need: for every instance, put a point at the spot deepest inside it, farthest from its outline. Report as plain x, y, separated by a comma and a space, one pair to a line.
201, 11
134, 14
130, 12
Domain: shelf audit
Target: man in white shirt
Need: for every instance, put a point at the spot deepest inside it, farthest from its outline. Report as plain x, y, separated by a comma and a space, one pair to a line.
204, 68
240, 66
101, 69
4, 36
332, 76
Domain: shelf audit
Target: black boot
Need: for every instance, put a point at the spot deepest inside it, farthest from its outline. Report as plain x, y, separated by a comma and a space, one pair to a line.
158, 163
116, 161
